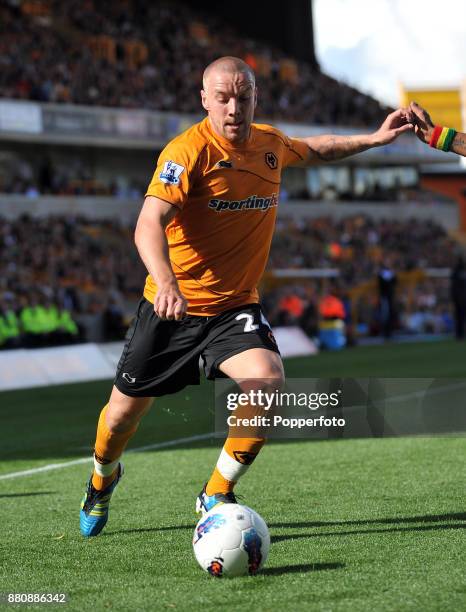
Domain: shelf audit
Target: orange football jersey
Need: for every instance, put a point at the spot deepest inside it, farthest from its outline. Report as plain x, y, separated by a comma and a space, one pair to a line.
227, 197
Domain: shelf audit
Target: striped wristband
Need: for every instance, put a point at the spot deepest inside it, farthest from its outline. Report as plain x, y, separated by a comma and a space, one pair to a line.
442, 138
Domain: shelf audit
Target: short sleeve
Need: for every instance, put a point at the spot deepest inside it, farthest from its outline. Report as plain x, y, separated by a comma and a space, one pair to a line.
173, 177
295, 151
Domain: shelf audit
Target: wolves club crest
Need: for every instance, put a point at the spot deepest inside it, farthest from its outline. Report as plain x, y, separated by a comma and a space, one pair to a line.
244, 457
271, 160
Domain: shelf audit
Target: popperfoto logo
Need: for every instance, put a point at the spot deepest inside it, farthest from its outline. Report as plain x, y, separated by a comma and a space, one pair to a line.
253, 202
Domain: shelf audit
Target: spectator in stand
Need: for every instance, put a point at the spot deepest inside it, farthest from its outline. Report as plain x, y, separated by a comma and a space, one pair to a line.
309, 320
458, 296
348, 320
114, 320
331, 307
32, 317
332, 314
10, 328
290, 308
387, 281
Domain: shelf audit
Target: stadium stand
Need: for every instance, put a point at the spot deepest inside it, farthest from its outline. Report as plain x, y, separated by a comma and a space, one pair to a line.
357, 244
65, 273
38, 176
90, 269
34, 174
137, 54
425, 309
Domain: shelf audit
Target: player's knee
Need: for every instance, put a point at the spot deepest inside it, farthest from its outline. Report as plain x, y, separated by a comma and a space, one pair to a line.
124, 418
268, 375
125, 412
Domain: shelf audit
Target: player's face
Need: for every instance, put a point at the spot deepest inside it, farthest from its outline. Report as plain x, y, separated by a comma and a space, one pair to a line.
230, 99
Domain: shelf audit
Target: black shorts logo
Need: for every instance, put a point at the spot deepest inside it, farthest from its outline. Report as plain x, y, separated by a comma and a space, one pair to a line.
271, 160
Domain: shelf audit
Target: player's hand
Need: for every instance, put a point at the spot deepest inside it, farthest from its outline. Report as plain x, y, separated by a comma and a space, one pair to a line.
423, 125
169, 303
396, 123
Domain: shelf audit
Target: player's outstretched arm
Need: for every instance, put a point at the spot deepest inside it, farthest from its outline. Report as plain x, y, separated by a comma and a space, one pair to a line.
151, 242
442, 138
331, 147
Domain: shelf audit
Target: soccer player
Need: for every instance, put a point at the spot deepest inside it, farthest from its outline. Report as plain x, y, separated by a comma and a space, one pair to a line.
437, 136
204, 234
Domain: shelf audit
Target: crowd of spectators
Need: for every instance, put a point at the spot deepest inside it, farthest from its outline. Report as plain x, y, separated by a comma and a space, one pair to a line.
36, 319
356, 245
375, 193
139, 54
427, 309
19, 176
34, 176
91, 270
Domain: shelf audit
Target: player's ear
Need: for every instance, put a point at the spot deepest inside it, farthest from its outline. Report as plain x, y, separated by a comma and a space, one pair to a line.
204, 100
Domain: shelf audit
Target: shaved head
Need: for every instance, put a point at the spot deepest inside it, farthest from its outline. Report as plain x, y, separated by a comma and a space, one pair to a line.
229, 65
229, 96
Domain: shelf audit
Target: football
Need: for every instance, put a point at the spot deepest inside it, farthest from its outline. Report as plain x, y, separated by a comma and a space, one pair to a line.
231, 540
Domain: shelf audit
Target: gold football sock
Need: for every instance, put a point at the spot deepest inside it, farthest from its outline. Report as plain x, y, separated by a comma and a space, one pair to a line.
236, 457
109, 447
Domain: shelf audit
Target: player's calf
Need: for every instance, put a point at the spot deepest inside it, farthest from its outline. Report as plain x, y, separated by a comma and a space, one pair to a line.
118, 422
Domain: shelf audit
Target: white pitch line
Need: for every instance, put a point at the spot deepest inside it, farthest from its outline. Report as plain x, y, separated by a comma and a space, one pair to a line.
45, 468
59, 466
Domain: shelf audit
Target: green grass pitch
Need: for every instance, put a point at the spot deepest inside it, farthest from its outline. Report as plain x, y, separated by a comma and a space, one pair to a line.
356, 524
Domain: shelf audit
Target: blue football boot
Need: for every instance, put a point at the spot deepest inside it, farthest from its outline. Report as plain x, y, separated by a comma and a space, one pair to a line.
205, 502
94, 507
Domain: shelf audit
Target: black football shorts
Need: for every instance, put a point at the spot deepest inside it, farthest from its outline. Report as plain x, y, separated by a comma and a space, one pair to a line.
162, 357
